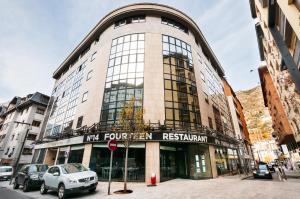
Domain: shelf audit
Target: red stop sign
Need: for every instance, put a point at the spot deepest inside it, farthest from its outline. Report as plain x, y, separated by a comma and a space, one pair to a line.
112, 145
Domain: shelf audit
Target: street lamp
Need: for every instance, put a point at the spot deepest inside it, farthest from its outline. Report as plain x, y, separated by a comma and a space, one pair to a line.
21, 150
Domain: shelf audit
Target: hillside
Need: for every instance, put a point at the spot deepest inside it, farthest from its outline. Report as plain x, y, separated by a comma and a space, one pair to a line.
259, 121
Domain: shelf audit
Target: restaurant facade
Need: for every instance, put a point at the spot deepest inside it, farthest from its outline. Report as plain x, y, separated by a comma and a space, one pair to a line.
159, 56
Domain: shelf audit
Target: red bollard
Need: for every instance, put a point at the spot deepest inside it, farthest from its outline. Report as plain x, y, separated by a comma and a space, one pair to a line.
153, 179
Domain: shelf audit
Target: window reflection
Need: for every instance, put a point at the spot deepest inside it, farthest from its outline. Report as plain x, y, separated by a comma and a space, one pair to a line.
182, 107
125, 78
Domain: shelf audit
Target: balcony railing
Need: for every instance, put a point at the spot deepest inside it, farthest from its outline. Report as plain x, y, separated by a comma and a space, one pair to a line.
149, 127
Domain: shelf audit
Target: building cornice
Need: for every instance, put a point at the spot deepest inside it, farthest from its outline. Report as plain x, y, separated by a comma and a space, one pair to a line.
133, 9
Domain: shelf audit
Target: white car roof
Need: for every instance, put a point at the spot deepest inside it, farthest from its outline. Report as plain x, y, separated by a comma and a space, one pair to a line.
5, 166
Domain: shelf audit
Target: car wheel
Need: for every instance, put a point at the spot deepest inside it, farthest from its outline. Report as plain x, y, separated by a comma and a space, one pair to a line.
61, 191
43, 189
26, 186
15, 185
92, 190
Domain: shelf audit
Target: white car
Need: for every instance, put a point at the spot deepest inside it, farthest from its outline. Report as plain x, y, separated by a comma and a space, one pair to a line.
69, 178
6, 172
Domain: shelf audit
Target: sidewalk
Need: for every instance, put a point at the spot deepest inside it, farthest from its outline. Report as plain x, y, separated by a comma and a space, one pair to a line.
292, 174
228, 187
237, 176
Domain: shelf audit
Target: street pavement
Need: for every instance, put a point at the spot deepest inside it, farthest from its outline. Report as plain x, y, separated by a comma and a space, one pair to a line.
9, 194
231, 187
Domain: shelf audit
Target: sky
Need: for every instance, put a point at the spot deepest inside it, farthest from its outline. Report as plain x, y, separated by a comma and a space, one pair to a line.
36, 36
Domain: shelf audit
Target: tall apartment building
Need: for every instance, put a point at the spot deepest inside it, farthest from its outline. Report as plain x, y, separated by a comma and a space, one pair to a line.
239, 126
3, 108
158, 55
278, 34
20, 110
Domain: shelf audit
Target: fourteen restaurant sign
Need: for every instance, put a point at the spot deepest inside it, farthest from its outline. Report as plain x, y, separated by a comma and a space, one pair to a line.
157, 136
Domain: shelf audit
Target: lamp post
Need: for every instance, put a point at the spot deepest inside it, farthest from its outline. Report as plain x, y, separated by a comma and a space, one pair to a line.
21, 150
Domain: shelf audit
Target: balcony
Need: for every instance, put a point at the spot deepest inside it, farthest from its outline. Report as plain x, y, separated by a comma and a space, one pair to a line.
38, 117
264, 3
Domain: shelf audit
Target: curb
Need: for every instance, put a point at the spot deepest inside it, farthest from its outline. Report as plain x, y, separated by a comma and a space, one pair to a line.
246, 177
291, 176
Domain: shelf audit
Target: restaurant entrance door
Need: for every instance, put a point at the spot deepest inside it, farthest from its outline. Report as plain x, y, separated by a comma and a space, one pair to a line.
182, 162
173, 161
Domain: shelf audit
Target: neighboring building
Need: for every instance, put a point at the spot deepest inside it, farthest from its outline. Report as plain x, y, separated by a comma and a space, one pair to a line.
158, 55
278, 34
30, 110
240, 127
259, 124
3, 108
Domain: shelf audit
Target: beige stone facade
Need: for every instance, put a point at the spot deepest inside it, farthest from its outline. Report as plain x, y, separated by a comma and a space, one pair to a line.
90, 63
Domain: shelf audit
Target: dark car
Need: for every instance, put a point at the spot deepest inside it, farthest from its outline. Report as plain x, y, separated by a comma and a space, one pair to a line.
271, 168
30, 176
262, 172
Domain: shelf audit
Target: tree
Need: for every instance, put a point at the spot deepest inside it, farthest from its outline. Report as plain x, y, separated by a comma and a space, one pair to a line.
130, 124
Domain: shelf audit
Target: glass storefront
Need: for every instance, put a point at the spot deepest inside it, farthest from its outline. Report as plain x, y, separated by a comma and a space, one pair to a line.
76, 154
184, 161
100, 160
61, 158
199, 161
233, 160
221, 160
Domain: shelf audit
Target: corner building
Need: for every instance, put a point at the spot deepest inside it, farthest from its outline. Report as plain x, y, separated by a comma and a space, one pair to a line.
158, 55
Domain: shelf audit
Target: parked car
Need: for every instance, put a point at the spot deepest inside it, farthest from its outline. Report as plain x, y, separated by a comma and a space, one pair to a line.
271, 167
262, 172
30, 176
69, 178
6, 172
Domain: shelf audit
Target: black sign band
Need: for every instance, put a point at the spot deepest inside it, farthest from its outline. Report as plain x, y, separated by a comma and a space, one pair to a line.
158, 136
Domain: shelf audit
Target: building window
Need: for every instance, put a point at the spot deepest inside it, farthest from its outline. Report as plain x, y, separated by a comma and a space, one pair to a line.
84, 96
31, 137
89, 75
93, 56
125, 76
79, 122
62, 110
27, 151
85, 51
175, 24
40, 111
7, 150
129, 20
213, 87
36, 123
181, 99
210, 123
218, 119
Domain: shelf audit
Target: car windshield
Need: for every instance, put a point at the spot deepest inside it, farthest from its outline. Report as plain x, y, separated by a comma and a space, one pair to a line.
38, 168
73, 168
262, 167
2, 170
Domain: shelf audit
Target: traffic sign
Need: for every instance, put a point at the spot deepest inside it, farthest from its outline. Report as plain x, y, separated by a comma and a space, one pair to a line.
112, 145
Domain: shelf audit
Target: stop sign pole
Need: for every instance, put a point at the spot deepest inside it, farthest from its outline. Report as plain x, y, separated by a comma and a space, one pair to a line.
112, 146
